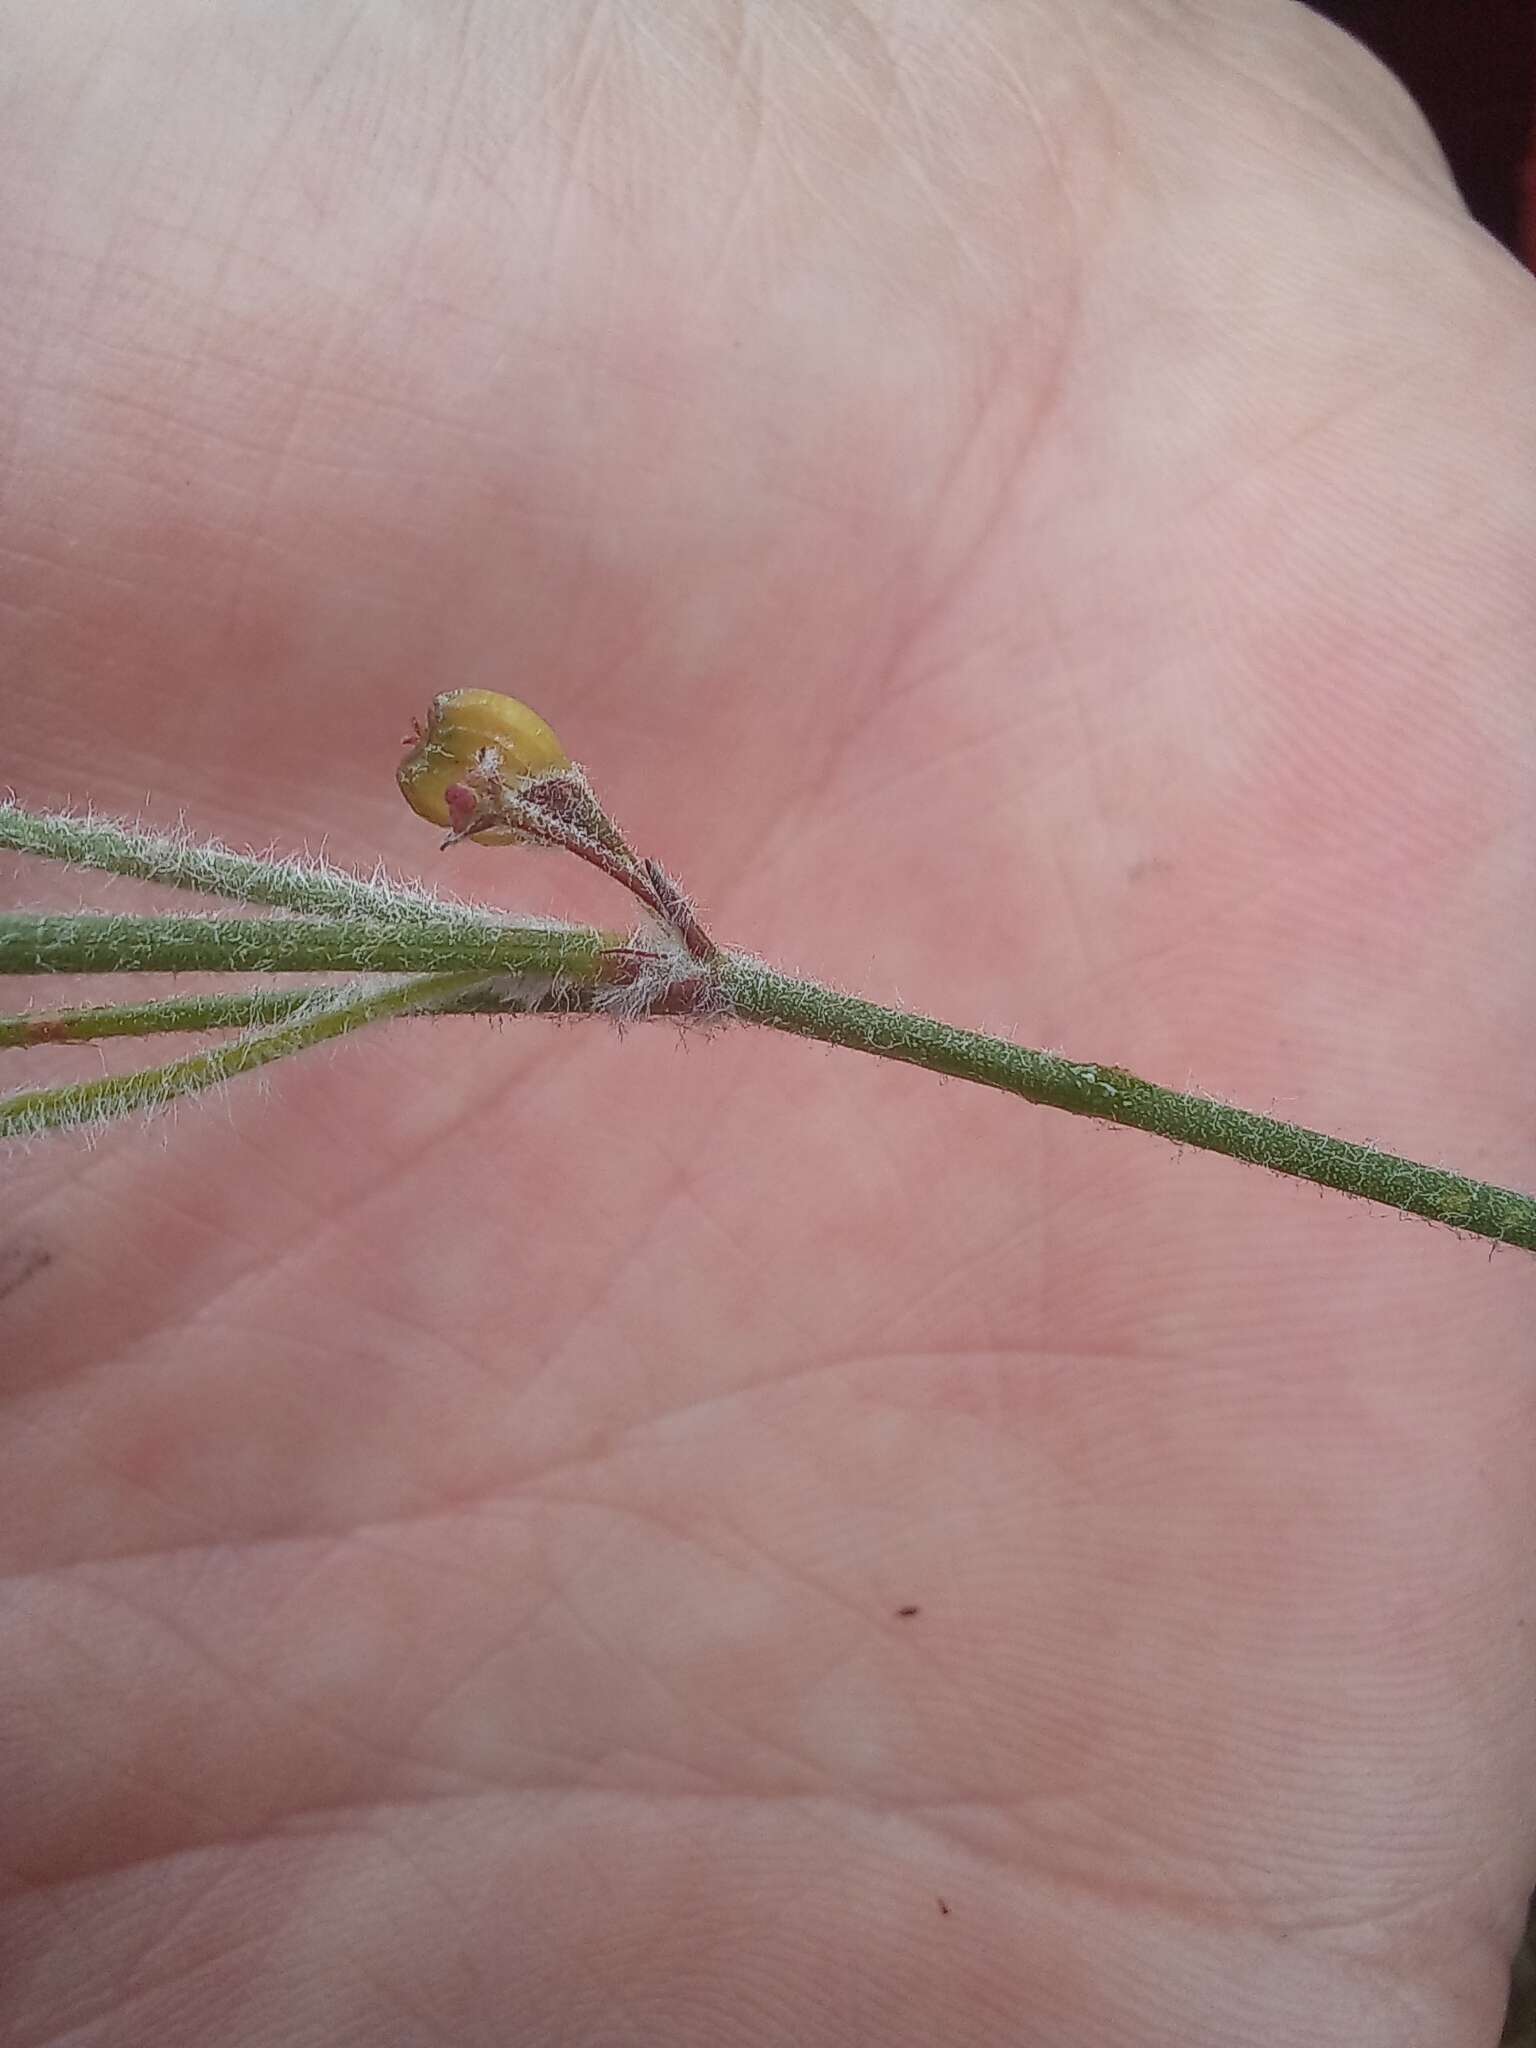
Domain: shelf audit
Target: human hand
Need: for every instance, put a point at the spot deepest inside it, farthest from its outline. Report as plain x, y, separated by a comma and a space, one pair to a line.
1027, 511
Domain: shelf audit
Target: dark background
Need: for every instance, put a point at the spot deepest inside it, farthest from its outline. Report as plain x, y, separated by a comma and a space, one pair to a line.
1471, 65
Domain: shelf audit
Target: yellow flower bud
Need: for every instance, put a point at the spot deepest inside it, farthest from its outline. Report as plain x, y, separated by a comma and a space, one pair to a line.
463, 726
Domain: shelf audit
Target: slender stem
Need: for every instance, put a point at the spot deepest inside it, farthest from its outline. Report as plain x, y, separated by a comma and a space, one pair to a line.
331, 1013
312, 886
561, 811
547, 828
269, 945
142, 1020
680, 915
583, 958
1113, 1095
242, 1011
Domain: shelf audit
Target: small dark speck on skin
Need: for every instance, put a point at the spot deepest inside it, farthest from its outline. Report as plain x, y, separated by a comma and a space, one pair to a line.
906, 1613
943, 1907
1153, 864
19, 1263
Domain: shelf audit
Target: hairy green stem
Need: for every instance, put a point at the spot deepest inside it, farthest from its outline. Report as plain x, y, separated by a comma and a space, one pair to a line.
576, 955
1113, 1095
213, 870
142, 1020
241, 1012
287, 945
329, 1014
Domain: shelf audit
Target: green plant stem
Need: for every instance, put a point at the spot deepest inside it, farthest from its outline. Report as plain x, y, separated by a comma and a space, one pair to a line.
1113, 1095
757, 995
330, 1013
287, 945
241, 1011
78, 1026
213, 870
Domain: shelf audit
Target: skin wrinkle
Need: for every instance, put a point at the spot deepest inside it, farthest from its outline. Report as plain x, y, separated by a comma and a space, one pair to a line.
746, 73
953, 1684
398, 2005
86, 2031
103, 264
315, 1228
1141, 1903
139, 1976
993, 62
938, 1820
28, 355
447, 1351
180, 359
586, 574
1094, 829
345, 1735
428, 1880
578, 86
1226, 1888
235, 1679
1438, 221
860, 1614
174, 1509
815, 202
1143, 1899
843, 762
620, 1271
112, 1366
855, 61
857, 728
309, 385
745, 1255
1349, 408
688, 1707
448, 146
1428, 176
338, 1549
910, 620
778, 1378
863, 1615
276, 471
27, 558
244, 237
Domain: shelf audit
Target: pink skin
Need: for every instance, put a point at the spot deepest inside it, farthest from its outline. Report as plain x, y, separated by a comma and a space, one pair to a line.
1025, 509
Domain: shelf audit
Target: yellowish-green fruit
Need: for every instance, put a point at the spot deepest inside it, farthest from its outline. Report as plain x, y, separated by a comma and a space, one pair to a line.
462, 727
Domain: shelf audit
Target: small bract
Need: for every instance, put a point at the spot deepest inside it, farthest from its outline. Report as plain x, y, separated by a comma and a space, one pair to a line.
461, 728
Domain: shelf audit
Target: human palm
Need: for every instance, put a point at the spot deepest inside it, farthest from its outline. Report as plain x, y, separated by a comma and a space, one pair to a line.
517, 1536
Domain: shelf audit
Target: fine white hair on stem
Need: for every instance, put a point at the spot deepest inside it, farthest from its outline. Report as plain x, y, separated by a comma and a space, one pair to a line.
666, 981
178, 860
329, 1014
